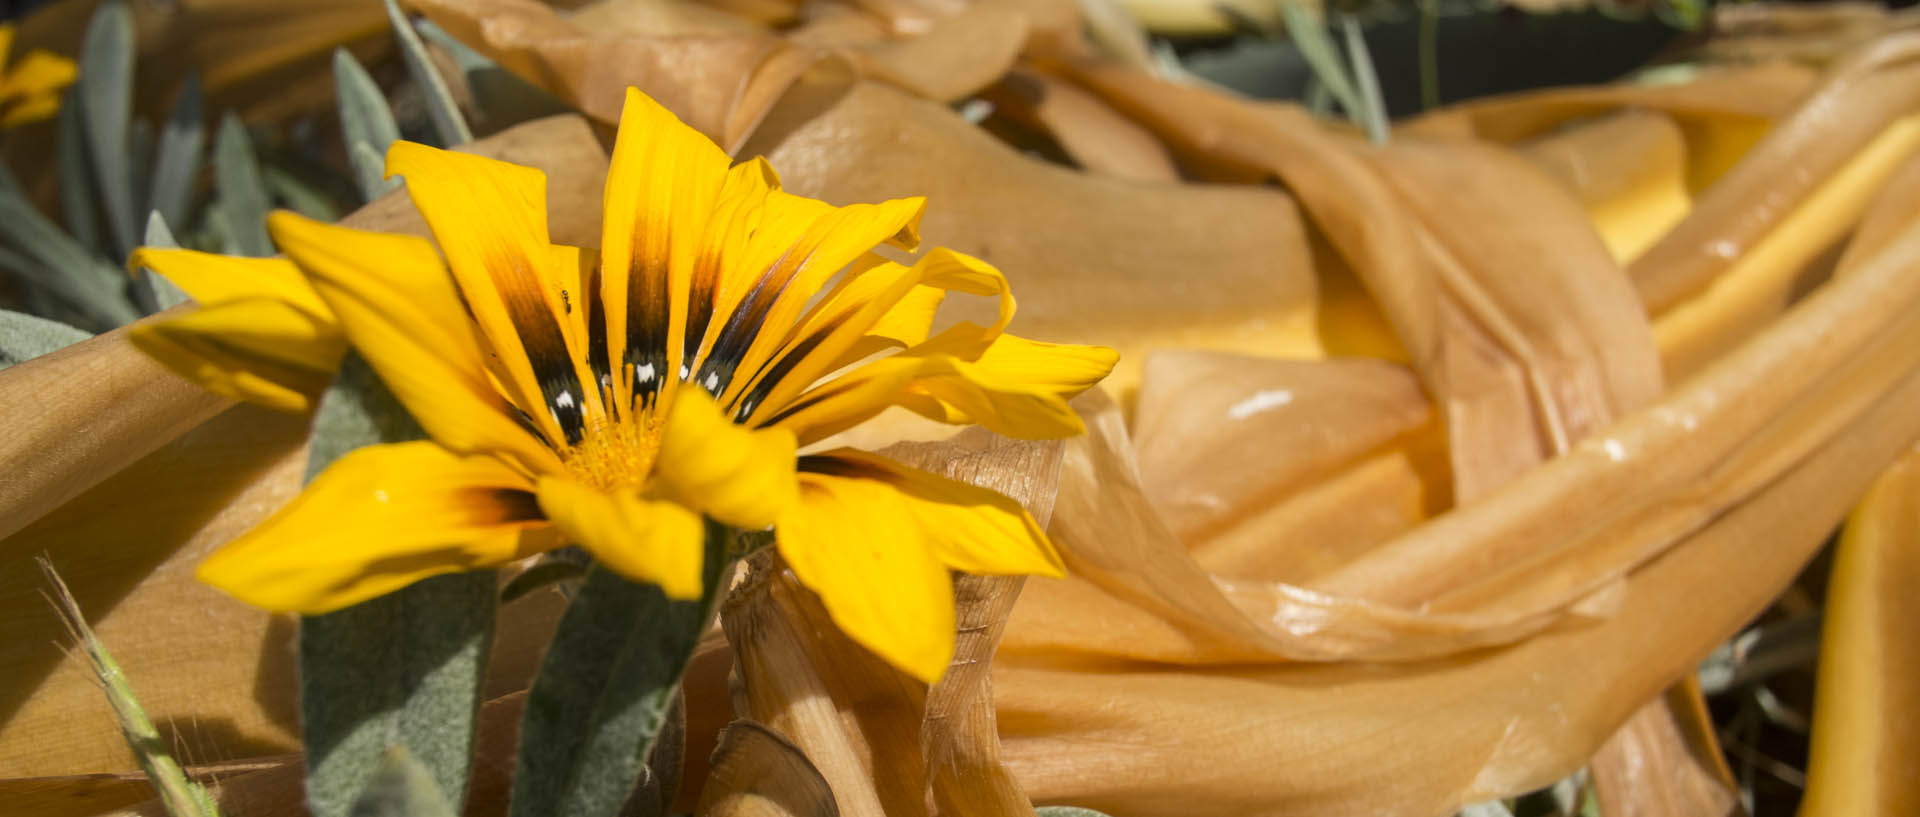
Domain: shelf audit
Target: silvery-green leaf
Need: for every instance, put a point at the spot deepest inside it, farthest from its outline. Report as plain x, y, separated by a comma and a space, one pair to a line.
1372, 113
403, 669
447, 122
24, 337
299, 196
176, 163
371, 164
164, 293
366, 123
243, 197
401, 788
605, 690
106, 99
1309, 34
50, 260
140, 160
76, 178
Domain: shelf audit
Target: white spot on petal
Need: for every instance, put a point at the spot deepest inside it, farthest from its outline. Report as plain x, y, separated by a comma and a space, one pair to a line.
643, 373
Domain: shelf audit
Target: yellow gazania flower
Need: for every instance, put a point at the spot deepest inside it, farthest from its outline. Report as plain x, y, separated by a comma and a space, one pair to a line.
31, 91
618, 397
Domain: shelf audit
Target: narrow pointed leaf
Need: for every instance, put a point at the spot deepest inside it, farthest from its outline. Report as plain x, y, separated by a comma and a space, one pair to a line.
366, 123
24, 337
59, 266
106, 100
447, 122
243, 197
163, 293
403, 669
1372, 114
604, 692
1309, 34
176, 163
76, 177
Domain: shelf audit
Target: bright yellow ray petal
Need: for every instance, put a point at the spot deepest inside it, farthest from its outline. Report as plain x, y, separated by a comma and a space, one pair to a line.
259, 350
645, 540
908, 323
211, 279
867, 293
970, 528
29, 110
398, 307
856, 544
374, 521
41, 73
829, 244
743, 477
722, 275
662, 184
1018, 388
490, 219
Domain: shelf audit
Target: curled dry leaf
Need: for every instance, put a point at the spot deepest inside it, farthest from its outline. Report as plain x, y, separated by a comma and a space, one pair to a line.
758, 773
1665, 761
1093, 259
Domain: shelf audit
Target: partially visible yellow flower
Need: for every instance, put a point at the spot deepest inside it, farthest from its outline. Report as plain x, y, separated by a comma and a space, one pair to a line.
30, 91
620, 396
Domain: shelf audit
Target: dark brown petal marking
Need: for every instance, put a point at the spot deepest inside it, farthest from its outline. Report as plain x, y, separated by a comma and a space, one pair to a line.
648, 312
744, 325
540, 336
515, 505
597, 338
700, 300
771, 375
832, 466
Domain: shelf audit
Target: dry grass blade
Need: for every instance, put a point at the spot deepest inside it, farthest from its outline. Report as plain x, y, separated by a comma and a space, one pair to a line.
758, 773
182, 797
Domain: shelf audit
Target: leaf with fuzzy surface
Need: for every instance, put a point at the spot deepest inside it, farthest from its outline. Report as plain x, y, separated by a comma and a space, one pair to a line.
403, 669
604, 692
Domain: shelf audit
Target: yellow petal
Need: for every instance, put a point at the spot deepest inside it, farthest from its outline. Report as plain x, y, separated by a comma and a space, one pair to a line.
971, 529
259, 350
41, 73
1017, 388
211, 279
722, 274
490, 219
6, 43
377, 520
856, 544
765, 319
645, 540
398, 307
834, 325
29, 110
662, 184
743, 477
908, 323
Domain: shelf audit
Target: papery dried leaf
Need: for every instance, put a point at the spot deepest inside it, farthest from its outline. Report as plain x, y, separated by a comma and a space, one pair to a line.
1856, 101
1627, 168
1175, 738
759, 773
719, 83
1094, 135
784, 690
1091, 257
1665, 762
79, 415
